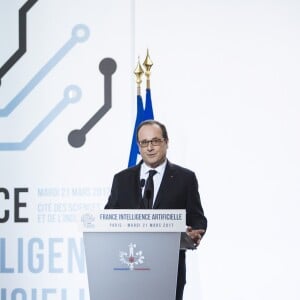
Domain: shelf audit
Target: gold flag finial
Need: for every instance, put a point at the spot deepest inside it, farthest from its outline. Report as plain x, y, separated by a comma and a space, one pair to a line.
139, 73
148, 64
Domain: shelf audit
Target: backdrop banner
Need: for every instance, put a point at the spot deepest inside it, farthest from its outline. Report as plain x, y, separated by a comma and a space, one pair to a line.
65, 82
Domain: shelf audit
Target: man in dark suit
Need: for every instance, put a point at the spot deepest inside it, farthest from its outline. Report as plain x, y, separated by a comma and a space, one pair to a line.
174, 187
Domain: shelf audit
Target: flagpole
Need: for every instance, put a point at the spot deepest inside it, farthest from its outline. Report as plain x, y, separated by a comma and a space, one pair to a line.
142, 113
134, 151
138, 73
148, 65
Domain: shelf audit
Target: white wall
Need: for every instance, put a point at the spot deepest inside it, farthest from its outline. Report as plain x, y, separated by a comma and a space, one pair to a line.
225, 80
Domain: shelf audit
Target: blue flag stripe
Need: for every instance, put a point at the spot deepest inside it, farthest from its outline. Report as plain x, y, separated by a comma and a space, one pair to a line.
139, 118
148, 114
141, 115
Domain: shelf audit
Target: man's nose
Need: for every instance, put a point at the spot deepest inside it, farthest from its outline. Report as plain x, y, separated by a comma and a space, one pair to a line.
150, 146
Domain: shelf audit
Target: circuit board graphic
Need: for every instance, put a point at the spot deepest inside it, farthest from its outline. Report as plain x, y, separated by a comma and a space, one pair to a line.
72, 93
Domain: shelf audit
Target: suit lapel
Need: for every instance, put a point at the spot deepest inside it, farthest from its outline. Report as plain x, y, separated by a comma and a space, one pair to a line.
138, 189
165, 186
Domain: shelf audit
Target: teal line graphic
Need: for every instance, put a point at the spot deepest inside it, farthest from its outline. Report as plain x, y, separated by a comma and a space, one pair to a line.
22, 38
80, 33
72, 94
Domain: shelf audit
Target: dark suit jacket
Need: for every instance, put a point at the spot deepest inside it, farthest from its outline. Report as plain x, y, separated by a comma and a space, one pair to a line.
178, 190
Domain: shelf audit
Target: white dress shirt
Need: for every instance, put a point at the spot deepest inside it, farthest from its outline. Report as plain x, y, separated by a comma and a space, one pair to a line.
157, 178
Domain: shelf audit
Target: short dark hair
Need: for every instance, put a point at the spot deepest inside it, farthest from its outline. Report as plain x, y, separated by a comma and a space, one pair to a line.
153, 122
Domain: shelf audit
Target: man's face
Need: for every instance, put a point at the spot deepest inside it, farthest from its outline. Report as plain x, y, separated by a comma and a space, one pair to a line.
154, 153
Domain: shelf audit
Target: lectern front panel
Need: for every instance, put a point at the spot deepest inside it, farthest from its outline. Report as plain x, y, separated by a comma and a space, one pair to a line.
132, 265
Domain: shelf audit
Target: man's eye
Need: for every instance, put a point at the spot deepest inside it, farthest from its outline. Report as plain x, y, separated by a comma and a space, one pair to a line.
144, 143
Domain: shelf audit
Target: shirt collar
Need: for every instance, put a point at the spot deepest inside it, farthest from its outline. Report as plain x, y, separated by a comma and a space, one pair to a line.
145, 169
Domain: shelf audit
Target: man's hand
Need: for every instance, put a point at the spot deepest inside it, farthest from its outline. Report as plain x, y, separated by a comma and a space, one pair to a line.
195, 234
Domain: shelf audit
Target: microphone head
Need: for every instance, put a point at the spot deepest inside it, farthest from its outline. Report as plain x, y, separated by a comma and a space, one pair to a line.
142, 182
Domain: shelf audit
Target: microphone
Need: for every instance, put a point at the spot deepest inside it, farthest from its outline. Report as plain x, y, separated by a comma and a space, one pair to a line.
147, 192
142, 184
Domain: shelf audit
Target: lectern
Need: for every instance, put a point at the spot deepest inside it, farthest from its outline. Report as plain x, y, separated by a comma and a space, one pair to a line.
133, 254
